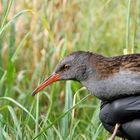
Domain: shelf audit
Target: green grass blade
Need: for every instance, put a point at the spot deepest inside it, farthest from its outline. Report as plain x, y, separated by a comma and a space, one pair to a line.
12, 38
37, 114
2, 81
19, 105
46, 24
68, 103
1, 67
13, 18
61, 116
7, 12
19, 47
16, 123
128, 26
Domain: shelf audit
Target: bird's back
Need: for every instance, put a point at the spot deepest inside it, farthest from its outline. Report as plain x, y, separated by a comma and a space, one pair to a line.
108, 66
115, 76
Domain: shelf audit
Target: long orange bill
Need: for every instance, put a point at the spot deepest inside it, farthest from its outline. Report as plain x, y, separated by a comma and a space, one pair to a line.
53, 78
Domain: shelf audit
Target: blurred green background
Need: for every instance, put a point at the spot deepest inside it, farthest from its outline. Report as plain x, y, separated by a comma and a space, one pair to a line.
34, 36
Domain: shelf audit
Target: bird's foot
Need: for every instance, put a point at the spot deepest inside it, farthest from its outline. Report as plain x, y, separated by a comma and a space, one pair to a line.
114, 132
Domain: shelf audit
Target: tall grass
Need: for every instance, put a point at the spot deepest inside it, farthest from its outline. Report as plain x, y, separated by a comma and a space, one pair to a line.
34, 37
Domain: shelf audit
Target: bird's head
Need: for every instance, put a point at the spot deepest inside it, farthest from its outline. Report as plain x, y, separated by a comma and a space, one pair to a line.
72, 67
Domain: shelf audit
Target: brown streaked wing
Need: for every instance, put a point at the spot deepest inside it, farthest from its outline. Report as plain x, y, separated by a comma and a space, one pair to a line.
107, 66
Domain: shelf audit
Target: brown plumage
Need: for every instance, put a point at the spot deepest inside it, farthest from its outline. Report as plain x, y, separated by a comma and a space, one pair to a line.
107, 66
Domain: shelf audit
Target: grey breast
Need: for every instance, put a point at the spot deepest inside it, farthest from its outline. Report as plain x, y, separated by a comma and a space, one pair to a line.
121, 84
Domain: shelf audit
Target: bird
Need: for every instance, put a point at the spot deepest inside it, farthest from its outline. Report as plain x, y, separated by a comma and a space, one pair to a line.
107, 78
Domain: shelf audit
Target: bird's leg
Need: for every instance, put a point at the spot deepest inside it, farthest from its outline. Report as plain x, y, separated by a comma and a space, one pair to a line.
114, 132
